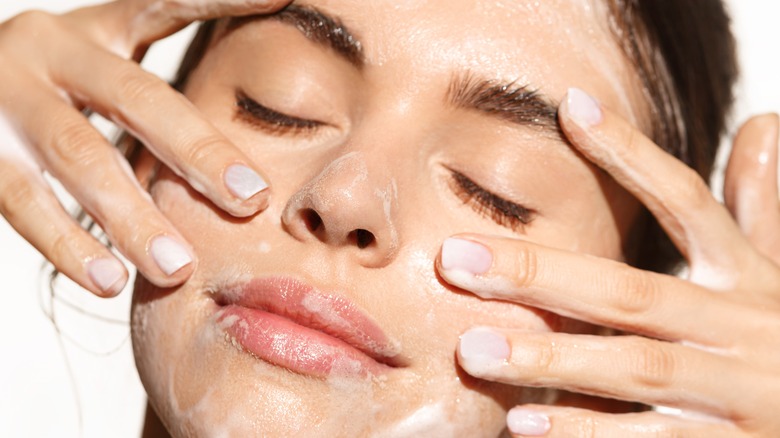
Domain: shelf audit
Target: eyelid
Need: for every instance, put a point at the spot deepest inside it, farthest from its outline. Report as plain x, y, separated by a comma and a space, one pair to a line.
506, 213
272, 121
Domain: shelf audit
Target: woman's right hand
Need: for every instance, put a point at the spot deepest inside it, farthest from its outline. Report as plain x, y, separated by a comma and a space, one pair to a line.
53, 66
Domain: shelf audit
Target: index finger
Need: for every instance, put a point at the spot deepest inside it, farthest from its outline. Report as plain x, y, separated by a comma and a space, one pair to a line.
700, 227
134, 24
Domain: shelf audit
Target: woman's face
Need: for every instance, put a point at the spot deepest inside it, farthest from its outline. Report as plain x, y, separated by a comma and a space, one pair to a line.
412, 122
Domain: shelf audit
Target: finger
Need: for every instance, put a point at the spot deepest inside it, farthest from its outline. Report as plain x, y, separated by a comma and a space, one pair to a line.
97, 176
144, 22
170, 126
595, 290
750, 188
628, 368
700, 227
552, 422
33, 211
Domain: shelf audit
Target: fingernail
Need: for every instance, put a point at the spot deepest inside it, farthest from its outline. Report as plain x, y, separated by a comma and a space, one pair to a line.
465, 255
244, 182
583, 109
108, 274
484, 347
526, 422
169, 254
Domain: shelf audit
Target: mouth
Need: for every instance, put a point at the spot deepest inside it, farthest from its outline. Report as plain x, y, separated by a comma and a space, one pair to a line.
290, 324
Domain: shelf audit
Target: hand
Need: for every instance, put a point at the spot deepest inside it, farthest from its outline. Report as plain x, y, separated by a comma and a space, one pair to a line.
708, 346
54, 66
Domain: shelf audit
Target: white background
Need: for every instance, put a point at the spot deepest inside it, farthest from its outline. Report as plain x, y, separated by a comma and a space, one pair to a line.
47, 382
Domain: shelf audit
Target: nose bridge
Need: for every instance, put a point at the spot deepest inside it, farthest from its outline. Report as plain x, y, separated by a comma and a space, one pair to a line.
350, 205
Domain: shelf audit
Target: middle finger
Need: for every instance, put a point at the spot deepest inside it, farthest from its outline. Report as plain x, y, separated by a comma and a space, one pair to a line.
170, 126
597, 290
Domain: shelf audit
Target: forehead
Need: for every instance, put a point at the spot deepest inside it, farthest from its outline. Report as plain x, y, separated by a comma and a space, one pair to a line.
550, 45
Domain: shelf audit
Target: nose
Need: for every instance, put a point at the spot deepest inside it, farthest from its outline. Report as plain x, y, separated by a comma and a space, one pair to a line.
349, 209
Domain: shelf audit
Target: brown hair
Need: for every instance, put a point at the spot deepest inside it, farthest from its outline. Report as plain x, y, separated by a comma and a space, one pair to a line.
684, 56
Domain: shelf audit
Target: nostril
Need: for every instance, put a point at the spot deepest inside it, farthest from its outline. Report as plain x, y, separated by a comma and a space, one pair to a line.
312, 219
363, 238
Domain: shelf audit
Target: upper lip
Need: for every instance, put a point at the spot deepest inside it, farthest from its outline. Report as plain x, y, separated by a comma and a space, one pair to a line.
328, 313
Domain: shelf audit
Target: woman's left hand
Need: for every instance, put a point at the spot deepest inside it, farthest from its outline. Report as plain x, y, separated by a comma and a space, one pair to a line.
708, 346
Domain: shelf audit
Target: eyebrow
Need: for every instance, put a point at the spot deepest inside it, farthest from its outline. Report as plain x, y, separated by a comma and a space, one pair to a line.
316, 26
512, 102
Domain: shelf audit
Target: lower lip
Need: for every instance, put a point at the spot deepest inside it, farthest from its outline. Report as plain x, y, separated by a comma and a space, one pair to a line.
282, 342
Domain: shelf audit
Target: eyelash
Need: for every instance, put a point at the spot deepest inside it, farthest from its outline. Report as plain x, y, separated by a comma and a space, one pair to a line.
501, 211
272, 121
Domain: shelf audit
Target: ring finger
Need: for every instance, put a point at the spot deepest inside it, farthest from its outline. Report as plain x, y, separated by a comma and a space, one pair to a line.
96, 175
622, 367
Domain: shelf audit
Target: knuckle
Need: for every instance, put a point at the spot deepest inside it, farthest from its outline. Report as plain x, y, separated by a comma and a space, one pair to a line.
29, 21
152, 13
74, 143
691, 189
134, 85
200, 152
634, 293
633, 142
18, 197
547, 357
526, 263
25, 31
653, 366
16, 31
61, 248
586, 428
168, 6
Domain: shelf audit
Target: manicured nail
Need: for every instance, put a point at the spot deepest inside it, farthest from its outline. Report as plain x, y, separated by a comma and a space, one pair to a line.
484, 347
244, 182
108, 274
526, 422
584, 109
169, 254
465, 255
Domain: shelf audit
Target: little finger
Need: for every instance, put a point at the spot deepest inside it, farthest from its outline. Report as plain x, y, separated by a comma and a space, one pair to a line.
32, 209
560, 422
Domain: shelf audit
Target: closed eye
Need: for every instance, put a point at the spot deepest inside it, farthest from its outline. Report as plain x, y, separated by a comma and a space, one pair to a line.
271, 121
505, 213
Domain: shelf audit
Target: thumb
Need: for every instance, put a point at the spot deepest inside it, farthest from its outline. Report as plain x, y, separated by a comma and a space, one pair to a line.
750, 186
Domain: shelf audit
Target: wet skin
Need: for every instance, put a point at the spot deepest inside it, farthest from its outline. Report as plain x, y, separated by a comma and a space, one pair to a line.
374, 161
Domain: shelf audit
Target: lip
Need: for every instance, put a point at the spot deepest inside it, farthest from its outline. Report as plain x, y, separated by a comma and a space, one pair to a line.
291, 324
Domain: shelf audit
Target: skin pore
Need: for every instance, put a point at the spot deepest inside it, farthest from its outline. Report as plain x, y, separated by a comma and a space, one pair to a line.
375, 160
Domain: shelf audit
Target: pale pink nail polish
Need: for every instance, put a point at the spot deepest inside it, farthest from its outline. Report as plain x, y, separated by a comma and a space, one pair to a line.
244, 182
583, 109
526, 422
484, 345
169, 254
465, 255
108, 274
